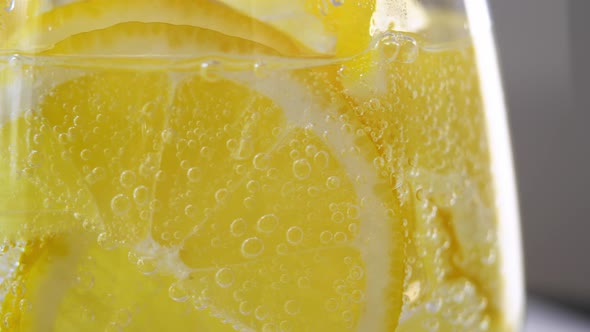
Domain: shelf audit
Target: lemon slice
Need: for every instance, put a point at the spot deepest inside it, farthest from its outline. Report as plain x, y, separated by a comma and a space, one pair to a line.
42, 31
247, 195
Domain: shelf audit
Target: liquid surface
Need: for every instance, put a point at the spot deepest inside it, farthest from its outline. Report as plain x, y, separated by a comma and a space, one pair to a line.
175, 177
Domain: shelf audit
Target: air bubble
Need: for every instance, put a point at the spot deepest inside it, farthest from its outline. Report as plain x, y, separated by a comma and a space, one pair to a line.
303, 282
253, 186
141, 195
326, 237
238, 227
190, 211
374, 104
260, 313
224, 277
252, 247
106, 242
321, 159
193, 174
389, 47
123, 317
178, 292
292, 307
220, 195
301, 169
146, 265
24, 305
120, 204
34, 159
337, 217
295, 235
282, 249
244, 150
200, 303
331, 305
269, 327
85, 280
333, 182
245, 308
356, 273
357, 296
286, 326
168, 135
85, 154
267, 223
340, 237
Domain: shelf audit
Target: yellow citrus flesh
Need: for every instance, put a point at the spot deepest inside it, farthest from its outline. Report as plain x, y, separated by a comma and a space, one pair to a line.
204, 187
247, 199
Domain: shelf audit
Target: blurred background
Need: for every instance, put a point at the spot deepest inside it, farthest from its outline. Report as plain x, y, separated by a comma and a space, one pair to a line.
544, 50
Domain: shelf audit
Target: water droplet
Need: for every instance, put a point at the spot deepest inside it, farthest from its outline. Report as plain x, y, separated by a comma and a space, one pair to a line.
301, 169
294, 235
238, 227
267, 223
106, 242
120, 204
252, 247
178, 292
224, 277
141, 195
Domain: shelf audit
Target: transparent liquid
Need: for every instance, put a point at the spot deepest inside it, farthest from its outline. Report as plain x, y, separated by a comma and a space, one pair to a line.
275, 194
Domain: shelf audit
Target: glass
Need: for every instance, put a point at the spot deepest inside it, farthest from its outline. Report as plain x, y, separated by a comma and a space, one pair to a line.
254, 165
